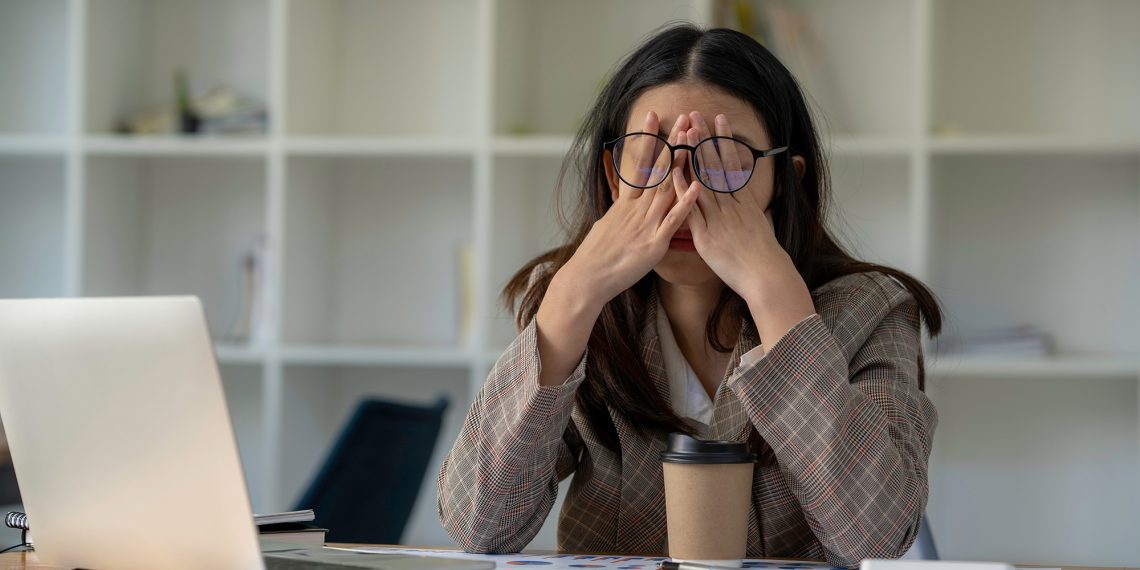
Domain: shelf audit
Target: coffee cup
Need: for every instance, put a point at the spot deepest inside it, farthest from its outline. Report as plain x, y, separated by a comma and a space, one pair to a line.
708, 492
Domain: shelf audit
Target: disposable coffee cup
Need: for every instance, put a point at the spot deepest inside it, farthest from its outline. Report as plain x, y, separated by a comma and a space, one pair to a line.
708, 491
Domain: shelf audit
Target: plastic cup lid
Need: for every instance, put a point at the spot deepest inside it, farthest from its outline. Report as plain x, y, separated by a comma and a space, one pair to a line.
685, 449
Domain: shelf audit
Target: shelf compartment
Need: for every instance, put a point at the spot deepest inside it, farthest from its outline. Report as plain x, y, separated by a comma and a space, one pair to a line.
1020, 453
352, 276
343, 79
243, 389
175, 226
34, 57
135, 47
537, 43
318, 401
32, 213
871, 209
856, 83
1050, 241
524, 218
1036, 67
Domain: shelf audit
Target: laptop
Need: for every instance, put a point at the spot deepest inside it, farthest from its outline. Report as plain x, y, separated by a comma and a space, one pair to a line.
121, 440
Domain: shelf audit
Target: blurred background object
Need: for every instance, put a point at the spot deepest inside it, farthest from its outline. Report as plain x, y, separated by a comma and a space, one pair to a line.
367, 486
366, 174
221, 110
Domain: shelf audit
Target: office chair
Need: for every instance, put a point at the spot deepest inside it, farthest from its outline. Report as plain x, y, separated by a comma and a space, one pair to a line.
365, 491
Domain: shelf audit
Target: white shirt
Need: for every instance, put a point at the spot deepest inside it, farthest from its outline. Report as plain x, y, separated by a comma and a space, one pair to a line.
686, 393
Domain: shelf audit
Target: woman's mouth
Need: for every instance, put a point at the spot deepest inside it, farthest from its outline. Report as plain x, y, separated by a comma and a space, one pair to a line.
682, 241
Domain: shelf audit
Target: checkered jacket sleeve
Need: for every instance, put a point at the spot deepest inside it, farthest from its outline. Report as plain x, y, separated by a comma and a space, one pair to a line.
500, 479
852, 436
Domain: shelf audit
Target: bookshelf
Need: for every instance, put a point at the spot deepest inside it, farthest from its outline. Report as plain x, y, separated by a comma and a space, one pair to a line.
992, 148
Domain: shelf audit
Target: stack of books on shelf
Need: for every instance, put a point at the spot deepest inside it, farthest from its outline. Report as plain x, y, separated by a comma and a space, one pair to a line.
1024, 341
293, 526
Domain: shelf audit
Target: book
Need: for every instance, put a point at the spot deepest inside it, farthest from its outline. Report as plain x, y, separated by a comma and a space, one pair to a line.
294, 527
306, 515
293, 533
1022, 341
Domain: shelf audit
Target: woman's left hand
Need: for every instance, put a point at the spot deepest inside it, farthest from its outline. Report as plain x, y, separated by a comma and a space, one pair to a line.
734, 233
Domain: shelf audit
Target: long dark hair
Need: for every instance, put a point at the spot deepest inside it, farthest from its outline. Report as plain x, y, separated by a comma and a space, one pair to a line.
737, 64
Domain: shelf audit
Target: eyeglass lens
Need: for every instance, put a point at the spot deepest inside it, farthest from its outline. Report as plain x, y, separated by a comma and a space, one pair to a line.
723, 164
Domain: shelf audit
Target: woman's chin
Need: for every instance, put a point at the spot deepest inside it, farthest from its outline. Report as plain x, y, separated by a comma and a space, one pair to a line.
684, 268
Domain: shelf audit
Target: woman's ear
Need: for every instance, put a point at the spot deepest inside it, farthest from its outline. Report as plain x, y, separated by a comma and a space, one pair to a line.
799, 164
611, 174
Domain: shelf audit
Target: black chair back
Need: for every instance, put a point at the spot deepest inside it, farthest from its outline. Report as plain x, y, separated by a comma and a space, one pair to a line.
368, 485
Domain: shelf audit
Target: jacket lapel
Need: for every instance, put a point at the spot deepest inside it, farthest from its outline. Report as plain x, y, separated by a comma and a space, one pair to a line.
651, 346
729, 421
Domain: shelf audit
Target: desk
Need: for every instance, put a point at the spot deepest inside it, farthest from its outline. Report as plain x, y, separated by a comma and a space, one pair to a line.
28, 560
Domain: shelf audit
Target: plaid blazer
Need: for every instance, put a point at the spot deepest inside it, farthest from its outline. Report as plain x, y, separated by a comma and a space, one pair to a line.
846, 430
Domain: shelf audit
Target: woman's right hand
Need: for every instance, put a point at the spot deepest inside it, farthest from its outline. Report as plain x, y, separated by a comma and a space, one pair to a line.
634, 234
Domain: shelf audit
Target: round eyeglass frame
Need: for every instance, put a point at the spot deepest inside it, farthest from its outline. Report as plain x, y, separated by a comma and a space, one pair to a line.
673, 148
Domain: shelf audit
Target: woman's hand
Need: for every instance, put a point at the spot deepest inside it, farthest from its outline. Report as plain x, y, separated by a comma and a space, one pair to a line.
735, 236
633, 235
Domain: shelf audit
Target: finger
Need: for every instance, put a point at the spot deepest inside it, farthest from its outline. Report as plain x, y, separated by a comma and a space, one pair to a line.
702, 192
679, 212
707, 198
697, 222
684, 160
662, 200
664, 160
708, 155
634, 159
711, 171
683, 156
713, 174
730, 153
656, 202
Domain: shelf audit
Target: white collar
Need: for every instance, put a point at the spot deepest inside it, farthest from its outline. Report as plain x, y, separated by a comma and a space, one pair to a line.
686, 393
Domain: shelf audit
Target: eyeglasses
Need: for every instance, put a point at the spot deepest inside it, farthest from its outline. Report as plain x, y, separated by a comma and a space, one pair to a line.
722, 164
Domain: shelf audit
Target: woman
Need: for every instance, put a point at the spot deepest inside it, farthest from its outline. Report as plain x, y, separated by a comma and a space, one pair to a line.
705, 297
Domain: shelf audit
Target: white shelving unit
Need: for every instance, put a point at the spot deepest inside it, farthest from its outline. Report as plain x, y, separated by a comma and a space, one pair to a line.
991, 148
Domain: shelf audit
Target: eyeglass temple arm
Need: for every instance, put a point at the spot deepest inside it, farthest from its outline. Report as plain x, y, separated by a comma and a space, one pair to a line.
769, 152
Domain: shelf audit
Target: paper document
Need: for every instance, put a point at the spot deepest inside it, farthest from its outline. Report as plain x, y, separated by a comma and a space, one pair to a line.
288, 556
577, 561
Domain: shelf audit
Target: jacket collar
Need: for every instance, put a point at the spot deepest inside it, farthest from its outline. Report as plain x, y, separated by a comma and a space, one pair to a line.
729, 420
